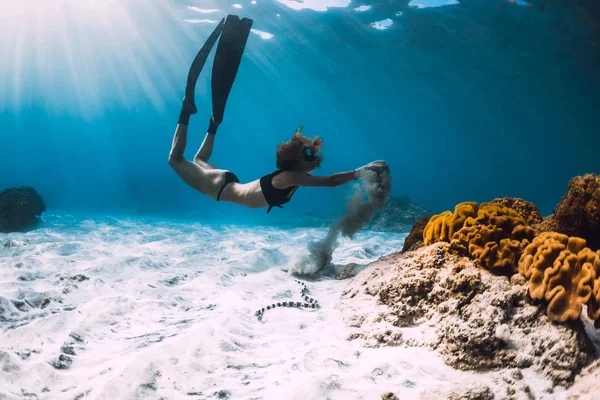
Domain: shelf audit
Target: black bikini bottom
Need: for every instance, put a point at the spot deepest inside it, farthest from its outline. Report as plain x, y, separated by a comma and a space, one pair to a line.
229, 178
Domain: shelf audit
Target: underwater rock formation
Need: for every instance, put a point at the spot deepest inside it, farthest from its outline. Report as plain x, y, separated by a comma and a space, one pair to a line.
397, 214
476, 320
20, 208
414, 240
578, 213
477, 391
587, 385
349, 271
548, 224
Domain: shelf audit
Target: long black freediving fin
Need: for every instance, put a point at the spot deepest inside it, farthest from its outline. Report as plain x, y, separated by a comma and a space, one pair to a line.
227, 62
189, 105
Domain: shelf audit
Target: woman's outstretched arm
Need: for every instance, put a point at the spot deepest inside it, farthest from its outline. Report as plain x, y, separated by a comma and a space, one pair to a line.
289, 178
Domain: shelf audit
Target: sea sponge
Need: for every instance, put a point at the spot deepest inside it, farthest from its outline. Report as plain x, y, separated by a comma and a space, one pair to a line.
560, 270
497, 242
578, 213
442, 227
525, 208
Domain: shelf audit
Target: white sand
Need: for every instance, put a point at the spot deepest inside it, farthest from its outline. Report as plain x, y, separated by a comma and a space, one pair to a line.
168, 312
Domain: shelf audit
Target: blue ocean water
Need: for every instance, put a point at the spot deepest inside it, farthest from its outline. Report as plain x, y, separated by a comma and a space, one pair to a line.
135, 286
467, 101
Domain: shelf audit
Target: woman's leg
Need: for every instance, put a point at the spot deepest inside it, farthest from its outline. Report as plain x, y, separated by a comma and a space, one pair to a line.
206, 181
205, 151
179, 143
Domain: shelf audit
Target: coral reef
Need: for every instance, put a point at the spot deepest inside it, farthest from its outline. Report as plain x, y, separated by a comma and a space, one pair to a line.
492, 233
495, 238
593, 306
441, 227
564, 272
578, 213
475, 319
548, 224
20, 208
488, 210
414, 240
525, 208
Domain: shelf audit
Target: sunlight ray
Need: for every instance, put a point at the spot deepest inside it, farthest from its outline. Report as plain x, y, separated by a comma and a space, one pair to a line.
17, 65
85, 56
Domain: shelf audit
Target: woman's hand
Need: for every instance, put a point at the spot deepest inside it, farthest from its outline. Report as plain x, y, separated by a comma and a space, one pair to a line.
378, 167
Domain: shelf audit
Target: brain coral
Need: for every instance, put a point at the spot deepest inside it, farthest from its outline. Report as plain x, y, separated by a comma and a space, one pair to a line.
578, 213
496, 237
560, 270
525, 208
490, 210
442, 227
592, 260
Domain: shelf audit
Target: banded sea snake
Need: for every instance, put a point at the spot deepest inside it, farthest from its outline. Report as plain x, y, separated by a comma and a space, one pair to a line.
310, 302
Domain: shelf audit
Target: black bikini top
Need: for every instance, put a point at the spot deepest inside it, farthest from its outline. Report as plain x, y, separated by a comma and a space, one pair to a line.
275, 197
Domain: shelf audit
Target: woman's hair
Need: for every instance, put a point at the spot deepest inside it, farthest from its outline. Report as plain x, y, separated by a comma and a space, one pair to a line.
289, 154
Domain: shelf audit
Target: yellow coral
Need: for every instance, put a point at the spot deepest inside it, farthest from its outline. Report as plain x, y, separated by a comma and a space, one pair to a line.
525, 208
560, 270
442, 227
497, 244
487, 211
569, 287
436, 228
541, 254
592, 261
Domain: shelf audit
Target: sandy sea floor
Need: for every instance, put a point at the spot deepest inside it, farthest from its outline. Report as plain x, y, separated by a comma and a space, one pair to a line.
148, 309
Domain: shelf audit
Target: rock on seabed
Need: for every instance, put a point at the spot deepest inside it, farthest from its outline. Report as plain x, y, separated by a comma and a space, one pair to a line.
475, 320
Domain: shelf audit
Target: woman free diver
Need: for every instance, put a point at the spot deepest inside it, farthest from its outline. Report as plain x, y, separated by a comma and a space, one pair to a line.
296, 158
